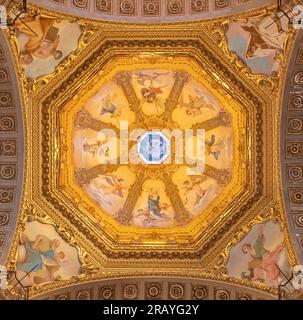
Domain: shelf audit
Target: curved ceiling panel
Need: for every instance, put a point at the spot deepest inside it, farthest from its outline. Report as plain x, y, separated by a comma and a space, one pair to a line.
152, 11
156, 288
11, 149
292, 145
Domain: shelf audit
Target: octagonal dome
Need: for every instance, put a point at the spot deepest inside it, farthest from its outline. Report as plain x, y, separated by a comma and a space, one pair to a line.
159, 142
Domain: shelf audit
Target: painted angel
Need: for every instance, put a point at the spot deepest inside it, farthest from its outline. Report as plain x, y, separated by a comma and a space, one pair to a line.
214, 147
111, 186
108, 107
99, 148
142, 76
146, 216
114, 186
151, 94
197, 104
193, 184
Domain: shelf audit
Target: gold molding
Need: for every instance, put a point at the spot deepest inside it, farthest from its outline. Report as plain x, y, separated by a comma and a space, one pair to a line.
258, 94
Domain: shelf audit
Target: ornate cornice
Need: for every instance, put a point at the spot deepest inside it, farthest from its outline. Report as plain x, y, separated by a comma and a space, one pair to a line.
11, 148
292, 145
156, 287
152, 11
91, 62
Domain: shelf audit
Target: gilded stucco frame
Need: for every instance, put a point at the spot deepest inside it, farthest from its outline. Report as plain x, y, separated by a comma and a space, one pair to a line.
261, 94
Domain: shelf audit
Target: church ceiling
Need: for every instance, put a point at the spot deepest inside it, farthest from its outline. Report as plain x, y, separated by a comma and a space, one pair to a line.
107, 107
151, 11
174, 190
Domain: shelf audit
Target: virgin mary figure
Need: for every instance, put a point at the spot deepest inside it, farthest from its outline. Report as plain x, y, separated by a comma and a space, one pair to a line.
154, 202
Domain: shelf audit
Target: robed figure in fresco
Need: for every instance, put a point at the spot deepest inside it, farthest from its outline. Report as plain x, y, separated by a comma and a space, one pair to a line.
266, 36
39, 259
263, 263
154, 203
43, 39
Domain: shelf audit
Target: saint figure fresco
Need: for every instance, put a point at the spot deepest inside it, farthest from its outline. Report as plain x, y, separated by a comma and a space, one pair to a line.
44, 257
44, 42
261, 256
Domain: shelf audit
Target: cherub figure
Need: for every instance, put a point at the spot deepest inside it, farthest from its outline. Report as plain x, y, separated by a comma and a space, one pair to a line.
110, 185
151, 95
115, 186
151, 92
110, 108
214, 147
100, 148
194, 184
197, 104
147, 217
142, 77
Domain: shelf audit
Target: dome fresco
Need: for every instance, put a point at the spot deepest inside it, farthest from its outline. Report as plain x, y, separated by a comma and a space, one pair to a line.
150, 150
153, 148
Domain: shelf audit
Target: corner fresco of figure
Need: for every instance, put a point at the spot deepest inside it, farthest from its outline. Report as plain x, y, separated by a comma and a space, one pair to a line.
259, 42
43, 256
44, 42
261, 256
